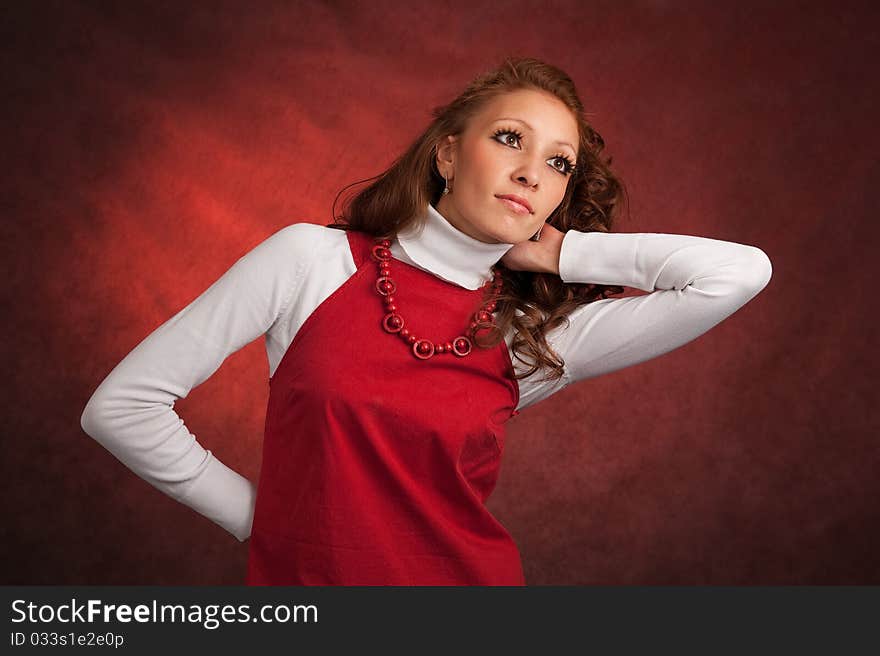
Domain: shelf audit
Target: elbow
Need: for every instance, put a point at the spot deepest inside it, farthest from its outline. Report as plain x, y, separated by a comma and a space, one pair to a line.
99, 419
756, 271
95, 416
90, 421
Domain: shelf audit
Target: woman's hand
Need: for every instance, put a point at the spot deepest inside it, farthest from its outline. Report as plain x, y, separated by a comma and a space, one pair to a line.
539, 256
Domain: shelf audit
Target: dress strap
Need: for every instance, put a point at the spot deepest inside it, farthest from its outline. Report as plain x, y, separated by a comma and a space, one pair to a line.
361, 245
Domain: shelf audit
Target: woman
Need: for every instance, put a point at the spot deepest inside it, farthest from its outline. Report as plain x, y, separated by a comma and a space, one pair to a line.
467, 283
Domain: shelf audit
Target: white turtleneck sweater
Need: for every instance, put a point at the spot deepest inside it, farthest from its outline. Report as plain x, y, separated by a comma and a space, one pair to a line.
695, 283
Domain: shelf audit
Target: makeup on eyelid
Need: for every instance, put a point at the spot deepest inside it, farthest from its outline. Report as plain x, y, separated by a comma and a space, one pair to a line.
569, 165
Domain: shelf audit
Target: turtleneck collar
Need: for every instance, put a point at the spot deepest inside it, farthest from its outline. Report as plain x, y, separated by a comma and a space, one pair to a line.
444, 250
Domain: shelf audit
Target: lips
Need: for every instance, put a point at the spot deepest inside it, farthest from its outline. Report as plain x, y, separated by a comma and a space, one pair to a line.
519, 200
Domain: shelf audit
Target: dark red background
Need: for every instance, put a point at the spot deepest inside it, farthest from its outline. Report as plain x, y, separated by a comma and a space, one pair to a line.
146, 146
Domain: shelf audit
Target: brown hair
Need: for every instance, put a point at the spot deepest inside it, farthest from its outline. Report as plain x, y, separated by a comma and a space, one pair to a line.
399, 195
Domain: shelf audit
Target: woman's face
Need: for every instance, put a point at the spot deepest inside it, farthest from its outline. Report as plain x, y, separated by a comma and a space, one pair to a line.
517, 144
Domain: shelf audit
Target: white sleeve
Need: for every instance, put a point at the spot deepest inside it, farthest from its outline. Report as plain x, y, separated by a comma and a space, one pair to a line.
695, 283
131, 412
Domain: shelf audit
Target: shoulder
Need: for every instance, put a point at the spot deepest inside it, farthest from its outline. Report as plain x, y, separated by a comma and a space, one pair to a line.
301, 237
301, 242
310, 235
286, 254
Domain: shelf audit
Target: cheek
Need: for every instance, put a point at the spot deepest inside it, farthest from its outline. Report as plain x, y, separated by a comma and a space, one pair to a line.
482, 164
558, 184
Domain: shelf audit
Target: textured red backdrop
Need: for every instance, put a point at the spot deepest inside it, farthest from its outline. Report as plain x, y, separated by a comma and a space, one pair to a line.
147, 146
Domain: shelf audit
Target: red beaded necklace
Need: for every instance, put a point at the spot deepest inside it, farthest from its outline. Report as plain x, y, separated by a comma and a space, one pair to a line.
393, 322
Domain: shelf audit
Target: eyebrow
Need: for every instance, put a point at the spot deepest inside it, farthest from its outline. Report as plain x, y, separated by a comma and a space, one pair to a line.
519, 120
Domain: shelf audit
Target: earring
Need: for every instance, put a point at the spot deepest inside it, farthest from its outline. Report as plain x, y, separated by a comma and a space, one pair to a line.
446, 189
537, 235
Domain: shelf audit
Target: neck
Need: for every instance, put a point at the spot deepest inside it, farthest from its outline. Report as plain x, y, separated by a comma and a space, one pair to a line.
432, 243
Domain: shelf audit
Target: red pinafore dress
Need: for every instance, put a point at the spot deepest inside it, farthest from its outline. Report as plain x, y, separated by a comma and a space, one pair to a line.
376, 464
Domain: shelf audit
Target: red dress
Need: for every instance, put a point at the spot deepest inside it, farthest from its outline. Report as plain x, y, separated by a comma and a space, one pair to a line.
376, 465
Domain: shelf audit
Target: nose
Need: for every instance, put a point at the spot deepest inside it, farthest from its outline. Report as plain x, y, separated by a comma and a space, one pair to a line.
527, 173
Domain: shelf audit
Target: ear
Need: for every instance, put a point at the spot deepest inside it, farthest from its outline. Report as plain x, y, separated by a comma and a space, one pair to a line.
446, 150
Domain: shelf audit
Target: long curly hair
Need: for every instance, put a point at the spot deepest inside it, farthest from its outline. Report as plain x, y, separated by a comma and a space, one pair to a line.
530, 303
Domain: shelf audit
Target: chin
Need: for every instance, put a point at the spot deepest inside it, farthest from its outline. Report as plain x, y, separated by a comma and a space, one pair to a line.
511, 234
517, 235
508, 236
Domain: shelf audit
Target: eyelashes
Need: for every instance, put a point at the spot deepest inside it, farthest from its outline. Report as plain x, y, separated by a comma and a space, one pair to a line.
569, 165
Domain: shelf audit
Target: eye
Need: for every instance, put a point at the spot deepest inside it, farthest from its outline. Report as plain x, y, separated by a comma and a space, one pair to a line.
568, 166
513, 132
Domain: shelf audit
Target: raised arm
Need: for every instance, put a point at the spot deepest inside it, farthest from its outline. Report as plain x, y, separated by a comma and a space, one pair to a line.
131, 412
695, 283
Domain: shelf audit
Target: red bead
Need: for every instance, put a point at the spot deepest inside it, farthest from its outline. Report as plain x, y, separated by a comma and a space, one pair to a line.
461, 346
381, 252
392, 322
404, 332
423, 349
439, 348
411, 339
385, 286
